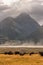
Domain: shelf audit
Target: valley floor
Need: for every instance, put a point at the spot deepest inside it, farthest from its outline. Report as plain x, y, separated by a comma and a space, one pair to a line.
34, 59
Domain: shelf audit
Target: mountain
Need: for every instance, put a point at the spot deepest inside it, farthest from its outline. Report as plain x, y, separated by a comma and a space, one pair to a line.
37, 36
26, 24
7, 27
19, 28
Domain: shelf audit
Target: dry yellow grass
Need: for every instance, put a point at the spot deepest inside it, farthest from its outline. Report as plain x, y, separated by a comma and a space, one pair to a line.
34, 59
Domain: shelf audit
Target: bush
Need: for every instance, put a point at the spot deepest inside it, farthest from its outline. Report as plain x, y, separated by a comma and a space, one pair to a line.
41, 53
31, 53
10, 53
6, 53
16, 52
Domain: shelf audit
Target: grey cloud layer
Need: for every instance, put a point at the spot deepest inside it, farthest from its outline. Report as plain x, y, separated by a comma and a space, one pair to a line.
37, 11
3, 7
34, 8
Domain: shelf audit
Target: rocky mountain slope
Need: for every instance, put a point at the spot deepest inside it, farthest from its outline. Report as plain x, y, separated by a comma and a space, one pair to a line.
22, 28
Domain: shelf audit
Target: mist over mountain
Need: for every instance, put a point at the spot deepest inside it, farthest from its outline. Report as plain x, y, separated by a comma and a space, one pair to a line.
22, 28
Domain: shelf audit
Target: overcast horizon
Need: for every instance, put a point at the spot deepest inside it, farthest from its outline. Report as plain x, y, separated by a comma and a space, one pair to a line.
15, 7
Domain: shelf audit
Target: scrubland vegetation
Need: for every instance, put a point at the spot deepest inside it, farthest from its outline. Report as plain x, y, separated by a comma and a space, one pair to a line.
16, 59
21, 56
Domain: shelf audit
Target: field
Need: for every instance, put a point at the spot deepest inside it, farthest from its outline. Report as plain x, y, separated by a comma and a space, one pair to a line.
21, 49
19, 59
26, 59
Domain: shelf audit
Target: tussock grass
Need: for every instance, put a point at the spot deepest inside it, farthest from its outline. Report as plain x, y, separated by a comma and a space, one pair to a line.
34, 59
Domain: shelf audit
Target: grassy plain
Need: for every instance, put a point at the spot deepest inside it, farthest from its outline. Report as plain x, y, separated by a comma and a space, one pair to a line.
34, 59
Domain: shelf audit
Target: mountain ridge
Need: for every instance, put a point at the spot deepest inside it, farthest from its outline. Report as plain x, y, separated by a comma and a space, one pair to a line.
19, 28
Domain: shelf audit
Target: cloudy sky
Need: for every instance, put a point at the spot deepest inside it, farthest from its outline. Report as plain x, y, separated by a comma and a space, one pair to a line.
15, 7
